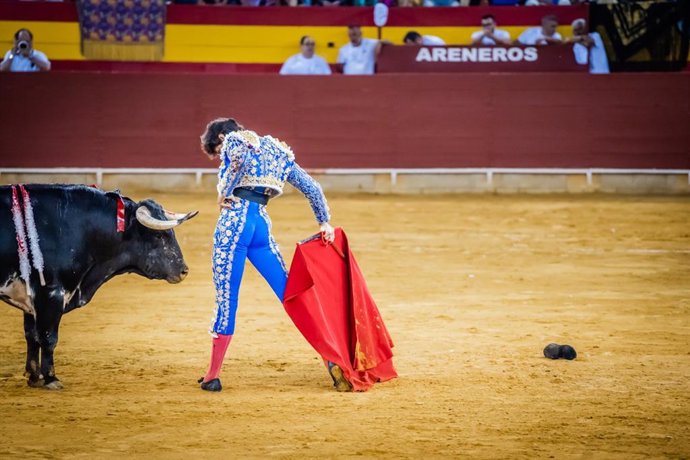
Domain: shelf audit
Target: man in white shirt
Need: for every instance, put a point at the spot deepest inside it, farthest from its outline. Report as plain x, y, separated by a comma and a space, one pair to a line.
23, 57
490, 35
589, 48
544, 35
359, 56
306, 63
414, 38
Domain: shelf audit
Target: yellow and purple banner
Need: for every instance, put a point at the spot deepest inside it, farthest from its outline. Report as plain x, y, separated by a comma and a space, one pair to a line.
122, 30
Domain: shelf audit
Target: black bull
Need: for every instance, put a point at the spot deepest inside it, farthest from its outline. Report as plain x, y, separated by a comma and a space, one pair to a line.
82, 249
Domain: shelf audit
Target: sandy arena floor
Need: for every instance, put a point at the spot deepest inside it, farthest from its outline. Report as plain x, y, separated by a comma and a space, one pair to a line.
471, 287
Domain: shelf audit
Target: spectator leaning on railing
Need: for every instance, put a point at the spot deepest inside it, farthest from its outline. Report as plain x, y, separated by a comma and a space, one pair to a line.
358, 57
490, 35
415, 38
23, 57
588, 47
544, 35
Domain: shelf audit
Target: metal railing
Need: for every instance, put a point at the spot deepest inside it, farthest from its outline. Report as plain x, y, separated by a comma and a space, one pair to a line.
393, 172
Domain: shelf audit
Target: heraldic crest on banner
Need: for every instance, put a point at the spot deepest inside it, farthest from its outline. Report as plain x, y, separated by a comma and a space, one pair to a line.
644, 35
122, 30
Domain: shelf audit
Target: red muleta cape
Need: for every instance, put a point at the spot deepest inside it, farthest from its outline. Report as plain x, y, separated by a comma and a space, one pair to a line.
329, 302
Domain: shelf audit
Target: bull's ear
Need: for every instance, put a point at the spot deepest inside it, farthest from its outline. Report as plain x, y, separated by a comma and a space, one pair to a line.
179, 217
147, 220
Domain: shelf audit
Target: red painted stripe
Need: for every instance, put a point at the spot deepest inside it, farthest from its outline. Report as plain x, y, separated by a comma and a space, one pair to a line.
400, 17
472, 16
34, 11
285, 16
161, 67
269, 16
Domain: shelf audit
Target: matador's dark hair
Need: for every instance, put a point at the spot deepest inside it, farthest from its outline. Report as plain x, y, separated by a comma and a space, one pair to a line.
210, 139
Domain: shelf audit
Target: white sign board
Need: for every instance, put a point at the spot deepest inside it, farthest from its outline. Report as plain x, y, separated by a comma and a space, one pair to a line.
380, 14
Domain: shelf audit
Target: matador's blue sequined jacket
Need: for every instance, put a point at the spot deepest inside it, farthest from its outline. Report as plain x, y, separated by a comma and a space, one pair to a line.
264, 164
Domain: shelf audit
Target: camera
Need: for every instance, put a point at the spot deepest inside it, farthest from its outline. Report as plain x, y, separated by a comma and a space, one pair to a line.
22, 45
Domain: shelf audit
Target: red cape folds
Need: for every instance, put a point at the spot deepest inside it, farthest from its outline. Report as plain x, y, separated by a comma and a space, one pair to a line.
329, 302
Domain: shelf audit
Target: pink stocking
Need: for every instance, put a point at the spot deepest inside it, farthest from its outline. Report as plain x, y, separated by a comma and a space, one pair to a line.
220, 346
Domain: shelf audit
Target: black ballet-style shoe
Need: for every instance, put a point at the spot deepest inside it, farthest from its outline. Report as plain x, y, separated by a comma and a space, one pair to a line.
556, 351
339, 381
552, 351
568, 352
211, 385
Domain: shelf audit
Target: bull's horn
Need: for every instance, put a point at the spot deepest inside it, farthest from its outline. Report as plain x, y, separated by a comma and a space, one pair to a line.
176, 216
147, 220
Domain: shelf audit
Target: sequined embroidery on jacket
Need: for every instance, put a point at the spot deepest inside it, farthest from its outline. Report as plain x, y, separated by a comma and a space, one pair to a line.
248, 160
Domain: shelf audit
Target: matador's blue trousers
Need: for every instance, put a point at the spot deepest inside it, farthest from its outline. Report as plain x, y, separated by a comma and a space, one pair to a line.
243, 231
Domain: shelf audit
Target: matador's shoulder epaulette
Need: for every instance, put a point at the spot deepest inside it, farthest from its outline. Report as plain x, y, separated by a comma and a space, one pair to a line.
281, 145
247, 137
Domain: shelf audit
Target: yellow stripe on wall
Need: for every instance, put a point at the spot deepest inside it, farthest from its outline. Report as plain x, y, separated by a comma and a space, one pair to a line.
234, 44
274, 44
250, 44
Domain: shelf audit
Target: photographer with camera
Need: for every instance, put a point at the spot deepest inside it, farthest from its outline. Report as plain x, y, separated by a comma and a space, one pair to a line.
23, 57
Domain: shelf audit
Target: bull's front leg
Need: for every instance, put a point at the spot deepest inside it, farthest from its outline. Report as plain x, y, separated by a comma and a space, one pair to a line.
32, 348
47, 324
48, 339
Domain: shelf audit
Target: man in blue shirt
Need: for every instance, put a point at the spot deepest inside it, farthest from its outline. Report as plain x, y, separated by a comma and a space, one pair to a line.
23, 57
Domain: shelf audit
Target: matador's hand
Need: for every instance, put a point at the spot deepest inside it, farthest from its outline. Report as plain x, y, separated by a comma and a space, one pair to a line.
327, 232
226, 202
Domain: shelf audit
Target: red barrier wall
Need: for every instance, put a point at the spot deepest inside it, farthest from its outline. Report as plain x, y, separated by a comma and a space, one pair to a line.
394, 121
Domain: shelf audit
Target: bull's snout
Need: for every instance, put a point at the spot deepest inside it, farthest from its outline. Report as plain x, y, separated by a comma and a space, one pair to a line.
177, 279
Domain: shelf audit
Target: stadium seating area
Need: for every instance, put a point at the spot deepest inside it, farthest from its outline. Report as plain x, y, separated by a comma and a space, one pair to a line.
255, 39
